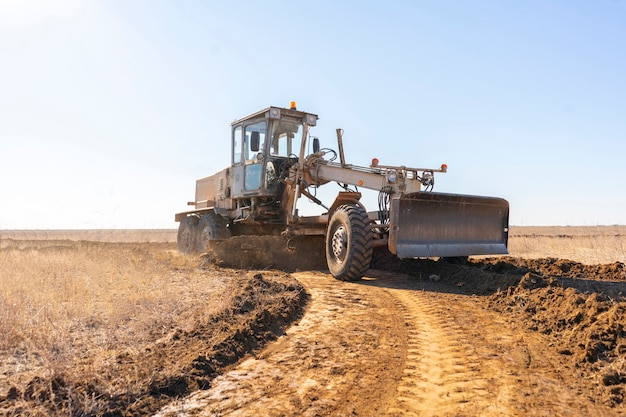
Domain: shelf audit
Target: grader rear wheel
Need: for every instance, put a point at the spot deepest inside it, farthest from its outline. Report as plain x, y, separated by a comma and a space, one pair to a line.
349, 243
186, 238
212, 227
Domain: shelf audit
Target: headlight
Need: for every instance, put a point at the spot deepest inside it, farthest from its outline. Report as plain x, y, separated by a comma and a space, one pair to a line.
274, 113
392, 175
311, 119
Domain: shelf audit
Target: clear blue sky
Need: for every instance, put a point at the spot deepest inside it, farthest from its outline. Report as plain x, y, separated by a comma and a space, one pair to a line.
110, 110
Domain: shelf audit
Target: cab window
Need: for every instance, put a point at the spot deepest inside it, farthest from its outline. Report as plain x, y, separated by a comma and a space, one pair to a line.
237, 145
283, 136
261, 128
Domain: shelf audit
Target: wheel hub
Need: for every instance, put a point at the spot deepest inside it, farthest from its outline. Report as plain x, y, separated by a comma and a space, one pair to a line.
339, 243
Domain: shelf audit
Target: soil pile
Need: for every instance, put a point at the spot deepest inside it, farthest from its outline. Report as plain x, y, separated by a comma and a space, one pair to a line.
588, 326
139, 382
557, 268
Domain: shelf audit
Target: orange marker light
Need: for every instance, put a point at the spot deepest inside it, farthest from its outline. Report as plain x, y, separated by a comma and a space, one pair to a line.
374, 162
444, 167
292, 105
360, 183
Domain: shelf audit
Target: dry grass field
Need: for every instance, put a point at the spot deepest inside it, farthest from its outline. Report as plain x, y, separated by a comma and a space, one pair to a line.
105, 322
81, 320
585, 244
94, 235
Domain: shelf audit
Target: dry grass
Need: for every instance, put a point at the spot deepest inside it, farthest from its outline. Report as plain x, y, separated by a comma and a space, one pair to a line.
94, 235
52, 291
585, 244
90, 326
71, 306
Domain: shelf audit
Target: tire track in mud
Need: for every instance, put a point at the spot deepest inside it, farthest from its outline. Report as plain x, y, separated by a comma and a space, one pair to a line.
463, 360
442, 369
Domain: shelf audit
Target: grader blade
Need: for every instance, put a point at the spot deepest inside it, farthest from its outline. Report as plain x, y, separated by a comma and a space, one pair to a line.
426, 224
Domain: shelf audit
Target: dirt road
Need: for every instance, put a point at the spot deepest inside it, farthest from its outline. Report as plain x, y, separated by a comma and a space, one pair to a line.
398, 346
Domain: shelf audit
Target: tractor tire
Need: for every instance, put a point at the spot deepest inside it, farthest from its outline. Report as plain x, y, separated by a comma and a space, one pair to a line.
186, 237
349, 243
212, 227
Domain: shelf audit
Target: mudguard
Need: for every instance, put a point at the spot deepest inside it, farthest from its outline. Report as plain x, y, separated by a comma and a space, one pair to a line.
427, 224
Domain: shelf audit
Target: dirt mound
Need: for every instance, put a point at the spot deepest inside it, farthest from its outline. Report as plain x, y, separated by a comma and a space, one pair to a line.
589, 327
269, 252
139, 382
558, 268
465, 277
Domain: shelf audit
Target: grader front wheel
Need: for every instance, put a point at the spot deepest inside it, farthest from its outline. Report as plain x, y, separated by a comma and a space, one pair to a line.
349, 243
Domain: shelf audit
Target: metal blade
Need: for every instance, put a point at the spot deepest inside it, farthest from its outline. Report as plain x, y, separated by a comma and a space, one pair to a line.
426, 224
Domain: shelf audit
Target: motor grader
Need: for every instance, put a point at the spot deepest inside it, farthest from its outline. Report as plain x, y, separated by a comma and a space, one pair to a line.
276, 161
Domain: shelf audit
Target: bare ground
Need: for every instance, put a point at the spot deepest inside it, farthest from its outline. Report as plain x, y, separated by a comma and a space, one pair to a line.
434, 340
496, 336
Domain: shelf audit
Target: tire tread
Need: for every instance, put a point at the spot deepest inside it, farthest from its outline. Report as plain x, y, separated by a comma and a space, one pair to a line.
359, 256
